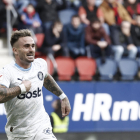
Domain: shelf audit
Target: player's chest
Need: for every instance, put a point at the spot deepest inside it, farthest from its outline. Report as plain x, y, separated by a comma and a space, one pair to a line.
36, 78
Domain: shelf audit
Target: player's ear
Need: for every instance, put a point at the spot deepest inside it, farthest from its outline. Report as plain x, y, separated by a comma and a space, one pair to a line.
15, 50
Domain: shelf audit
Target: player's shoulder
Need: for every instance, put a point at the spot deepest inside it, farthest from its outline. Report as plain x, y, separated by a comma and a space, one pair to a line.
40, 62
8, 66
7, 69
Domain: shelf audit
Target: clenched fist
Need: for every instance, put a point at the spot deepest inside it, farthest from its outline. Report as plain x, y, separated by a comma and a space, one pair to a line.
27, 85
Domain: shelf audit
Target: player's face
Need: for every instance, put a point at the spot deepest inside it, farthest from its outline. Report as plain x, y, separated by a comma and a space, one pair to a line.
25, 50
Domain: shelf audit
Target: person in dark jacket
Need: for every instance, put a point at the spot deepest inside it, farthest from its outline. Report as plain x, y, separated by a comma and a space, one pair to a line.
30, 19
48, 11
135, 32
98, 40
88, 11
55, 40
133, 7
126, 40
75, 37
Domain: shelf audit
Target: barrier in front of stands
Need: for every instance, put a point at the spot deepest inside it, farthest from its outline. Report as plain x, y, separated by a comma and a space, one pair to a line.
97, 106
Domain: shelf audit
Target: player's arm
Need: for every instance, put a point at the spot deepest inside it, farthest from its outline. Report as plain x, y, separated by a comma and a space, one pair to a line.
52, 86
7, 94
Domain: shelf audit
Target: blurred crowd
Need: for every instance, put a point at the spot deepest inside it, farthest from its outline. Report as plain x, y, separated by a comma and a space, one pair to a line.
97, 28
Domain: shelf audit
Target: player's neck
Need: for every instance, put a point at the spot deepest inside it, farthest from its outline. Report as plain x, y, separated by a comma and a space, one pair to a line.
23, 65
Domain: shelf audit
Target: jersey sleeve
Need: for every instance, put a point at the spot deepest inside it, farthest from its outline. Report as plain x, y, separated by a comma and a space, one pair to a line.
5, 77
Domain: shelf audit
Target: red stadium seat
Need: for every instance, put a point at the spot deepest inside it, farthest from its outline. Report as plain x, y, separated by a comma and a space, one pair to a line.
65, 68
40, 39
86, 68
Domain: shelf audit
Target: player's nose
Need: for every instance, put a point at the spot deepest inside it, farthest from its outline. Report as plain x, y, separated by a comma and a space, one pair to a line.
31, 49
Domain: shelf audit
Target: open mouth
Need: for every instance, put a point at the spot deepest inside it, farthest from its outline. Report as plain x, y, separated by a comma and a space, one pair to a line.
30, 55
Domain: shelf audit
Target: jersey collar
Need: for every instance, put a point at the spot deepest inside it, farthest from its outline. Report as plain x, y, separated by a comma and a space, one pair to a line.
22, 69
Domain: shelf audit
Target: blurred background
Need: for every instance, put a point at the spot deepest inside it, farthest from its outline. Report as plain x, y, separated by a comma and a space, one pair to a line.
92, 48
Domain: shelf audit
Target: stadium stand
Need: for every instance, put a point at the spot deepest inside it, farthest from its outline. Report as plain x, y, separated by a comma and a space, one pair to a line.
86, 68
128, 69
65, 10
65, 68
106, 70
65, 15
40, 39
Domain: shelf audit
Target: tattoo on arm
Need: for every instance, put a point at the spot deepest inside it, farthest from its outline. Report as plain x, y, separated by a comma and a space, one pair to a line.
7, 94
52, 86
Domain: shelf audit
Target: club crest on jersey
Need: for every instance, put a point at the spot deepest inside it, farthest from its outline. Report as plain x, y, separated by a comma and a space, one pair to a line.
47, 131
40, 75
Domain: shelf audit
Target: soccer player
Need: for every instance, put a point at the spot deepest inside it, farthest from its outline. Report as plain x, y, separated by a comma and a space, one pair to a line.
21, 92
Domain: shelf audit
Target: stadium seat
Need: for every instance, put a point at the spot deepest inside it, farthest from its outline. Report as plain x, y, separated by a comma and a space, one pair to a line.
86, 68
65, 68
107, 70
65, 15
40, 39
128, 69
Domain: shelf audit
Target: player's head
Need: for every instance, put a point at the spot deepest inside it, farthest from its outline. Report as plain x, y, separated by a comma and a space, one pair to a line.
23, 46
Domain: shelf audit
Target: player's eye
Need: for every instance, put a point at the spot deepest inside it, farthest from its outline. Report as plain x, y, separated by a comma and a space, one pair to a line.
27, 45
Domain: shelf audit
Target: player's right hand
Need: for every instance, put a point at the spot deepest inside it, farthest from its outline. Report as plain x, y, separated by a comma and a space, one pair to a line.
27, 85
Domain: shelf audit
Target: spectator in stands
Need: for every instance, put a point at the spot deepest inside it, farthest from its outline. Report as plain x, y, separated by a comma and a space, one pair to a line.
133, 7
75, 37
125, 39
48, 11
21, 4
114, 13
135, 32
88, 11
55, 40
31, 19
98, 40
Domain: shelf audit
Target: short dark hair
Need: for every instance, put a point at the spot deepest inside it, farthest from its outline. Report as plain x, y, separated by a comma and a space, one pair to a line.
18, 34
75, 16
94, 20
56, 22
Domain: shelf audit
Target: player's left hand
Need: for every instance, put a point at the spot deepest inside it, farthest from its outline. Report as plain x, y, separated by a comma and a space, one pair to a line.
65, 107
